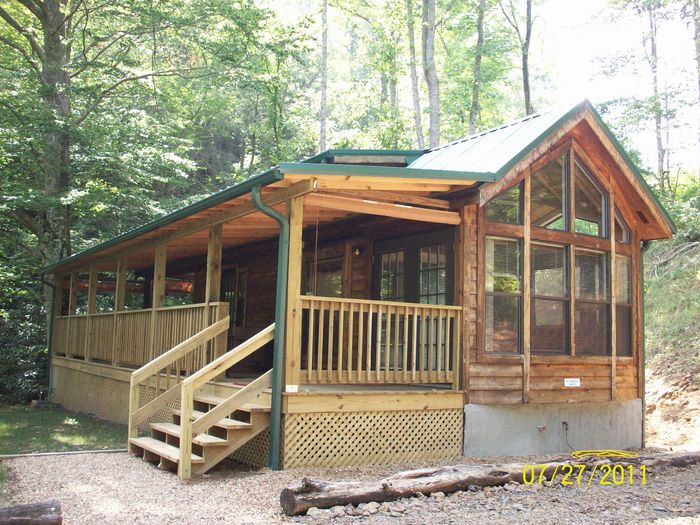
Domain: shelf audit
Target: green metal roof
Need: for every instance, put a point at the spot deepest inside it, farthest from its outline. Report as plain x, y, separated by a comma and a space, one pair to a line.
494, 152
243, 187
410, 154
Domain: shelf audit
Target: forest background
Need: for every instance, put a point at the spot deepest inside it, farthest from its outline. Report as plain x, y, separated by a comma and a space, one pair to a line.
115, 112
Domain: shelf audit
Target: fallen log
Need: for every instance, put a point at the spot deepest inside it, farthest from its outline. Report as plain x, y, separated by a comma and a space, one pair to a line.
45, 513
323, 494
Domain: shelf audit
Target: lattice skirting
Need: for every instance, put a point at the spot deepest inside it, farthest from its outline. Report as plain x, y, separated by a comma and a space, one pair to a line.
354, 438
104, 397
255, 452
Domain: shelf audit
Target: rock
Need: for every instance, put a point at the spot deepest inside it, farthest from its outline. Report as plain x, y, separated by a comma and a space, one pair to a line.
438, 496
338, 511
384, 507
397, 507
315, 511
372, 507
473, 488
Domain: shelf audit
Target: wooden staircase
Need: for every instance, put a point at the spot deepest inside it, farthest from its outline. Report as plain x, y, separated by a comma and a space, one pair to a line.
206, 428
224, 437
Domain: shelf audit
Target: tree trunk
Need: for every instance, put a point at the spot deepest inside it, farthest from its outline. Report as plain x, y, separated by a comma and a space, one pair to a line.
652, 58
414, 75
320, 494
46, 513
323, 111
478, 51
430, 71
696, 27
526, 58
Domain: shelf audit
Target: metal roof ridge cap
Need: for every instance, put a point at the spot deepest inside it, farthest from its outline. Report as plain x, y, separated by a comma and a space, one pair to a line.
345, 169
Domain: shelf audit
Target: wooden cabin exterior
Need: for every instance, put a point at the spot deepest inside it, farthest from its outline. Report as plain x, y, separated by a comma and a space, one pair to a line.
375, 306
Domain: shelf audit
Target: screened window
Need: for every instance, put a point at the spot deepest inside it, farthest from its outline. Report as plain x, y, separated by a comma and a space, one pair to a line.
623, 305
550, 302
592, 303
392, 270
506, 207
622, 231
433, 274
325, 277
548, 192
503, 295
589, 204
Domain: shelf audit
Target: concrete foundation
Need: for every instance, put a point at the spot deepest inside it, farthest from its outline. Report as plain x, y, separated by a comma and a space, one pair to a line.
520, 430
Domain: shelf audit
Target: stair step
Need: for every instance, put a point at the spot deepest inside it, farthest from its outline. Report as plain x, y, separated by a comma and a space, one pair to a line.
162, 449
226, 422
216, 400
204, 440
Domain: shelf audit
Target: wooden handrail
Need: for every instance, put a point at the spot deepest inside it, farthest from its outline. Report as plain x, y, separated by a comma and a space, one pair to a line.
232, 403
374, 302
175, 353
139, 414
188, 428
230, 358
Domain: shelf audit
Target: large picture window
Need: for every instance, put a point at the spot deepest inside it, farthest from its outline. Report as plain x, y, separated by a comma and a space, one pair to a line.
550, 301
548, 192
592, 303
569, 296
503, 295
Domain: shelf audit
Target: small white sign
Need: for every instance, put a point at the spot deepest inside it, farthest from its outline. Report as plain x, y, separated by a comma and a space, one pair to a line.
572, 382
292, 389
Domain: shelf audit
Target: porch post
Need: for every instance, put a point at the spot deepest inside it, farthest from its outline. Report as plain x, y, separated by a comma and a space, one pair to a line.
72, 306
119, 305
158, 285
292, 364
213, 288
91, 309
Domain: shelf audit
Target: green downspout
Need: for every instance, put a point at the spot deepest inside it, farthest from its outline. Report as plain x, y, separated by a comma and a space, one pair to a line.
642, 357
280, 322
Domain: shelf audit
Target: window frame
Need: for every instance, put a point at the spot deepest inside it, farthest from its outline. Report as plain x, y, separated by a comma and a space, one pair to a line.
614, 205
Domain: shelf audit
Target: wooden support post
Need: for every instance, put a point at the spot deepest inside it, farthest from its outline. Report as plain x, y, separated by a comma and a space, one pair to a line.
58, 307
613, 298
463, 292
119, 306
157, 296
527, 296
292, 359
637, 311
91, 310
72, 307
212, 292
184, 467
572, 257
134, 402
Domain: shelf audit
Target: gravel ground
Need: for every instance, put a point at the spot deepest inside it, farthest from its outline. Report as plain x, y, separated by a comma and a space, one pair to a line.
117, 488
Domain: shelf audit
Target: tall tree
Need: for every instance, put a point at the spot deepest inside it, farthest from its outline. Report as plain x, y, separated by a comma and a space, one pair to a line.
476, 80
415, 93
524, 35
323, 111
430, 70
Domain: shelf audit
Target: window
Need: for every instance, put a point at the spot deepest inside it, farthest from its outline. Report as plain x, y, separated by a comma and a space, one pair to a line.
503, 295
433, 274
623, 305
506, 207
592, 303
548, 192
391, 287
325, 277
589, 202
622, 231
550, 302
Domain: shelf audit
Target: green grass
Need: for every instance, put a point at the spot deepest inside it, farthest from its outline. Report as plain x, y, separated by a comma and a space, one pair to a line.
24, 430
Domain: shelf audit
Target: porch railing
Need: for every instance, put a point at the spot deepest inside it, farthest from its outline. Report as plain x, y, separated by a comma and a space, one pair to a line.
363, 341
134, 337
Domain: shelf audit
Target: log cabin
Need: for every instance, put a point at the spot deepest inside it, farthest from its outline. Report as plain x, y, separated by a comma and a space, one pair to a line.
373, 306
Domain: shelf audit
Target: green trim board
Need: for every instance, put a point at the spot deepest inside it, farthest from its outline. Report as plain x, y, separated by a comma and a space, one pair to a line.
237, 190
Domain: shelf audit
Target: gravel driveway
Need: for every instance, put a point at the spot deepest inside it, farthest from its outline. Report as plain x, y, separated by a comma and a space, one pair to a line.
117, 488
